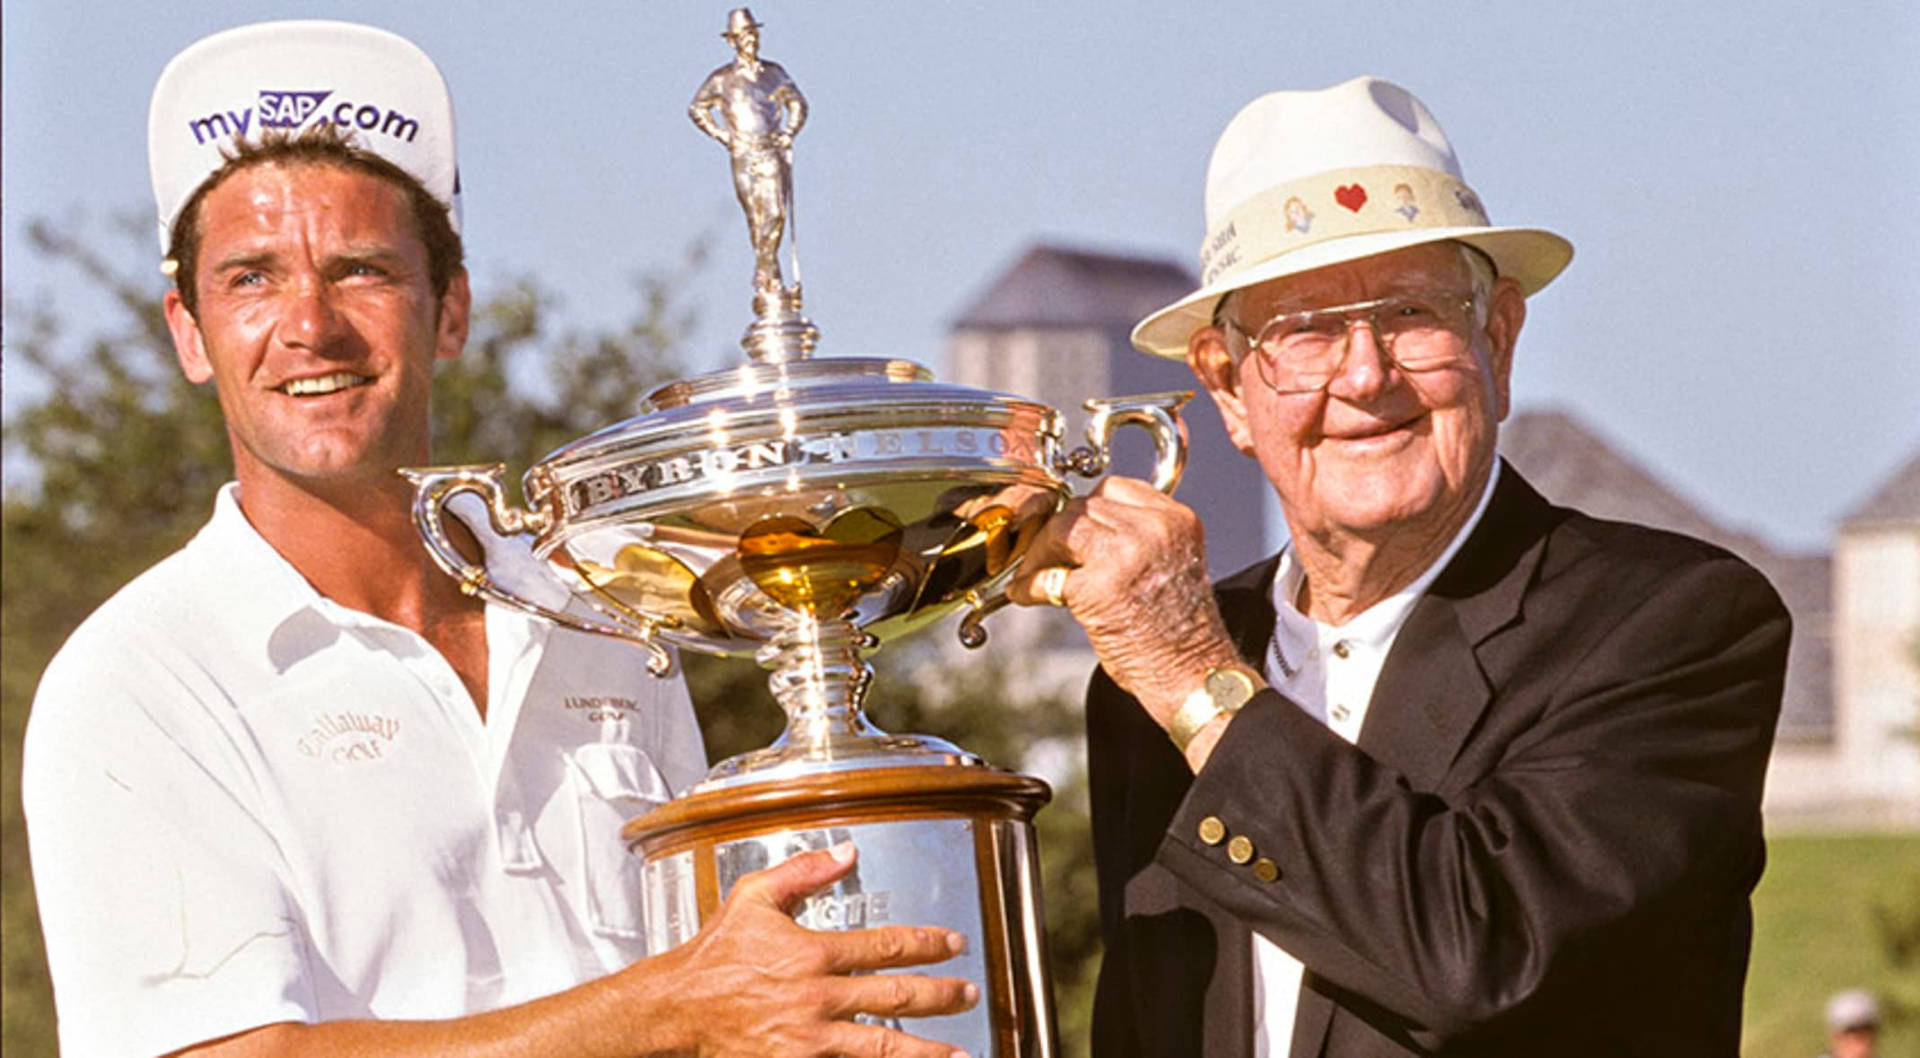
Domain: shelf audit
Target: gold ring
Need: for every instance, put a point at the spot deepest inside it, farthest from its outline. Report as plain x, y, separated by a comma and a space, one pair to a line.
1052, 583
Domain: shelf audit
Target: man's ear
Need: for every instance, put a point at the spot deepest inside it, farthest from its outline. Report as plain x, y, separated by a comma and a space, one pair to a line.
1213, 365
456, 313
1506, 312
188, 346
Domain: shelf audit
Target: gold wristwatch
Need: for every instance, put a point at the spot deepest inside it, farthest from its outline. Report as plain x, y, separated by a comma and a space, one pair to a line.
1224, 691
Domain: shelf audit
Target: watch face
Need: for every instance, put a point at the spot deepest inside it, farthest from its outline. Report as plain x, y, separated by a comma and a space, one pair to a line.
1229, 688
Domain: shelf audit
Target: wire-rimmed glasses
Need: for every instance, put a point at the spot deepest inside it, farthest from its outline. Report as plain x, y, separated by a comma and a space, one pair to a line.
1301, 351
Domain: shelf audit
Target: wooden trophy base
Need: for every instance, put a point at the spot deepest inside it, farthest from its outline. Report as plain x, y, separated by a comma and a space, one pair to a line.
941, 845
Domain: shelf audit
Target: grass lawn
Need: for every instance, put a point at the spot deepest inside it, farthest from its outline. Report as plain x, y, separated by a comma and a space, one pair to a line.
1815, 934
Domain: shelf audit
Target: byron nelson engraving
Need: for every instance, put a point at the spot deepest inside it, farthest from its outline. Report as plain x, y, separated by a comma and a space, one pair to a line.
713, 464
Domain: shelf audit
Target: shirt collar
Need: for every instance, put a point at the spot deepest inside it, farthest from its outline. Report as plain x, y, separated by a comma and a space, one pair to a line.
1377, 623
267, 602
263, 590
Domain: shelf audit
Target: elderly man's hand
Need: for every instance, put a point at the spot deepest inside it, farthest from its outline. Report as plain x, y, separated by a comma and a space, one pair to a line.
1137, 582
754, 983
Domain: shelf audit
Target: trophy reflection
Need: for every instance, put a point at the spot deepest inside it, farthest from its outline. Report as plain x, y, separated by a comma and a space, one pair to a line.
803, 513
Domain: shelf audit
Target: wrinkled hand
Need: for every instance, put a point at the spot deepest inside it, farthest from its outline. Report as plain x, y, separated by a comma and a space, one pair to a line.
1137, 582
757, 984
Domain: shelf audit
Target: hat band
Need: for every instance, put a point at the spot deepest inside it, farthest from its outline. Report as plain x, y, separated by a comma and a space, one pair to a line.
1332, 205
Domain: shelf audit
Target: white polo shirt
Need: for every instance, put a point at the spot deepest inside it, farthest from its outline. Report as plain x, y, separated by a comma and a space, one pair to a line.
1328, 671
248, 804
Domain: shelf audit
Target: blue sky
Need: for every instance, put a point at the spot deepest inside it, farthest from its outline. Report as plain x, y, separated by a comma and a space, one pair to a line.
1739, 179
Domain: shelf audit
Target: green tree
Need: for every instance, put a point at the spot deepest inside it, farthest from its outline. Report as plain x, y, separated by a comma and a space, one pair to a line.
113, 459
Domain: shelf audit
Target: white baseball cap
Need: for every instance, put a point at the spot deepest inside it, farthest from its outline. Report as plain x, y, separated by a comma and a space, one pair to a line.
1852, 1009
1302, 180
291, 76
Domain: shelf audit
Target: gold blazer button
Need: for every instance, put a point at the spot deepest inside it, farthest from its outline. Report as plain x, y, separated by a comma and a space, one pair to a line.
1240, 850
1266, 870
1212, 831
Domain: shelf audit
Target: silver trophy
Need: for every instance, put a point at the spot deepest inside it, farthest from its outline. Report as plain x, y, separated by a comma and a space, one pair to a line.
804, 512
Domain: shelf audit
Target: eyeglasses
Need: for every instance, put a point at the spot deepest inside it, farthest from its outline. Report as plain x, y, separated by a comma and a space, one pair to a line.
1301, 352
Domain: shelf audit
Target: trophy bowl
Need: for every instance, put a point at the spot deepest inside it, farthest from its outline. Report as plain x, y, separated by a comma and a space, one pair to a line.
802, 513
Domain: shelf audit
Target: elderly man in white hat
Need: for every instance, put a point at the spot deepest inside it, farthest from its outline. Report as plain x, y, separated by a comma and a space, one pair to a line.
1458, 771
290, 791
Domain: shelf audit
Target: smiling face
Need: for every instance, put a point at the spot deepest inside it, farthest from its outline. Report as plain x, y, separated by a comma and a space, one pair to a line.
1381, 453
317, 323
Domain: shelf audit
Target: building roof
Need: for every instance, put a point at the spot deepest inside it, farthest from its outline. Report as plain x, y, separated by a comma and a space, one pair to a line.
1053, 286
1574, 466
1895, 502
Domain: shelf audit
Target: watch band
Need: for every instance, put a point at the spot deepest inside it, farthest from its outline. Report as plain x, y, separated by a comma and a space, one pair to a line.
1223, 691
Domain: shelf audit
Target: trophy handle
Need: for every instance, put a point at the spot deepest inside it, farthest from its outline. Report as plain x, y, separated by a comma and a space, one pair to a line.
434, 486
1159, 415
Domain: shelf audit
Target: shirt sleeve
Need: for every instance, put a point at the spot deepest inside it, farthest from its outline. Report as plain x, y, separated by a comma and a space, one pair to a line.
162, 897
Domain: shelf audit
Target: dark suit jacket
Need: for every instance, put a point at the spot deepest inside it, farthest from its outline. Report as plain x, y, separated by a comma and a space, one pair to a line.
1542, 844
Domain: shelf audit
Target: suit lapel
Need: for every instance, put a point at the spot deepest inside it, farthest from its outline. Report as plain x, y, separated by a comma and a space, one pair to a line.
1430, 694
1433, 688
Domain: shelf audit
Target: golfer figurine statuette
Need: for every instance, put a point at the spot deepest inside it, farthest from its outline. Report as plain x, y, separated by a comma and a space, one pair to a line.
755, 110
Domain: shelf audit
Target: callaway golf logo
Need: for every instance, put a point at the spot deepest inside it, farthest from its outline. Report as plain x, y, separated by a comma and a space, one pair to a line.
292, 110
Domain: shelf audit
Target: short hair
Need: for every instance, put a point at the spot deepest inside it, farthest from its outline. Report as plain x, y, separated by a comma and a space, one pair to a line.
1480, 266
322, 144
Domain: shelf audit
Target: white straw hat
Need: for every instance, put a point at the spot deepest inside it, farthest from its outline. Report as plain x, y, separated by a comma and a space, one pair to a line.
295, 75
1302, 180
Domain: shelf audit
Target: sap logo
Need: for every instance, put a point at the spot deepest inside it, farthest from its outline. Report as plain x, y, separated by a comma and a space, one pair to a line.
278, 109
287, 110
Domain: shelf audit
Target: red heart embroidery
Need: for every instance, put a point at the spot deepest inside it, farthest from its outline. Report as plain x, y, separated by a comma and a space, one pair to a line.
1352, 196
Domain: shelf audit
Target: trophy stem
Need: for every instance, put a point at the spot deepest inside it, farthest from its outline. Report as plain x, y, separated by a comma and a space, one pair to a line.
780, 332
820, 679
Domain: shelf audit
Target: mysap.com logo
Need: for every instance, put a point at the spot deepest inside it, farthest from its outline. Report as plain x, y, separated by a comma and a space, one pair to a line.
276, 109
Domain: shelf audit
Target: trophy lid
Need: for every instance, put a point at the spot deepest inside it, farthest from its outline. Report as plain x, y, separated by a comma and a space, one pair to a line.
797, 399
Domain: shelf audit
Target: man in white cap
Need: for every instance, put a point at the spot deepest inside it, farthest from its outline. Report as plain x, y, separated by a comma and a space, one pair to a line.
1458, 771
1853, 1025
290, 791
